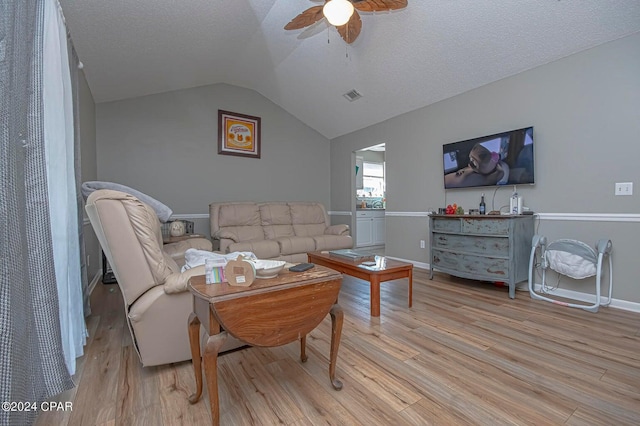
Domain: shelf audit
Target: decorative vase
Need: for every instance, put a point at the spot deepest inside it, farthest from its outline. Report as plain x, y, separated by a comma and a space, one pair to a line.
177, 228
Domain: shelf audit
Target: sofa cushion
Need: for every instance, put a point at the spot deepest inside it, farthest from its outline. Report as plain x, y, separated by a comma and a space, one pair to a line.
304, 213
293, 245
275, 214
264, 249
308, 219
238, 214
332, 242
309, 230
276, 220
240, 233
273, 232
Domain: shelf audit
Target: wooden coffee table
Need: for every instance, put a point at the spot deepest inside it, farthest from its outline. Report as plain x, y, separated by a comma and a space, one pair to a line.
385, 270
270, 312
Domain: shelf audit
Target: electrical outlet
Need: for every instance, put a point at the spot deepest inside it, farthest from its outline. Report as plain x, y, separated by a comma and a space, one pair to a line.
624, 188
421, 243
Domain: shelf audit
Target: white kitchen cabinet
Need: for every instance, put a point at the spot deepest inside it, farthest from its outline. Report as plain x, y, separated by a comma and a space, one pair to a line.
378, 230
359, 172
364, 232
370, 228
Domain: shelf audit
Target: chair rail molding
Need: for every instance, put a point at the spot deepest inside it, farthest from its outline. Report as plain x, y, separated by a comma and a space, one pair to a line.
591, 217
583, 217
190, 216
206, 215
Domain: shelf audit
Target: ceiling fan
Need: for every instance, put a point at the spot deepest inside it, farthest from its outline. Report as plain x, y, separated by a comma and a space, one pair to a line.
337, 12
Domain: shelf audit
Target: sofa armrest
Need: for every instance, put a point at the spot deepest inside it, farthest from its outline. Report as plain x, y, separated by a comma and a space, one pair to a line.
176, 250
226, 234
177, 282
341, 229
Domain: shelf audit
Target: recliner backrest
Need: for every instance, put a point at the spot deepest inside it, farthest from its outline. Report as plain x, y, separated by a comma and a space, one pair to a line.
130, 235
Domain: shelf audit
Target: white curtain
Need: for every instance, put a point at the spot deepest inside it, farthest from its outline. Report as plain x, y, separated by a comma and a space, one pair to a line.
61, 184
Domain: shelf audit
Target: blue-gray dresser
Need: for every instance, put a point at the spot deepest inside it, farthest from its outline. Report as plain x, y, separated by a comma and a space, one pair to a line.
482, 247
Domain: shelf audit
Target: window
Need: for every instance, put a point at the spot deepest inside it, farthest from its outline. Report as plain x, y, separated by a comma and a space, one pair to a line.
373, 180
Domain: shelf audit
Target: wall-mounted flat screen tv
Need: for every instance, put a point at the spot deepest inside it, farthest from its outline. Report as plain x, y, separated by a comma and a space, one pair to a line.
502, 159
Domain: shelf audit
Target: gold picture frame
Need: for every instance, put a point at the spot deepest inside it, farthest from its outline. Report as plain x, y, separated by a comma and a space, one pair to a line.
238, 134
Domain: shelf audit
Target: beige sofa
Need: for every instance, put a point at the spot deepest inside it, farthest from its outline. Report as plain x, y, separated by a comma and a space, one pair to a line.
157, 302
278, 230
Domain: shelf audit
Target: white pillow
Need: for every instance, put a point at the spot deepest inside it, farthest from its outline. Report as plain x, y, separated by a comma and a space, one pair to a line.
570, 264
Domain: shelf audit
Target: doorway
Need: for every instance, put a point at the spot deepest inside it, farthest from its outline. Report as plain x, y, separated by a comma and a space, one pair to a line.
370, 197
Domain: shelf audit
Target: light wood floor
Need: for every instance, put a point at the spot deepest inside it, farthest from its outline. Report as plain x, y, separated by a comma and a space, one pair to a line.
464, 354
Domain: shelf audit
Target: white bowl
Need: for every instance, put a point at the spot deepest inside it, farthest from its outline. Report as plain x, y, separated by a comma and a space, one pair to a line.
268, 268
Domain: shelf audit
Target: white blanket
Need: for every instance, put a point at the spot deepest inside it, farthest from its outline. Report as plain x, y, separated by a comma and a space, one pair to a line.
195, 257
163, 212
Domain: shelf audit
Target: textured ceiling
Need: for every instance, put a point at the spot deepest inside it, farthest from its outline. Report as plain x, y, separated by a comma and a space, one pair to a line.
432, 50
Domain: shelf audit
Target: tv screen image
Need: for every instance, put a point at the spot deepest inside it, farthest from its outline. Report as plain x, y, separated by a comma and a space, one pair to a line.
502, 159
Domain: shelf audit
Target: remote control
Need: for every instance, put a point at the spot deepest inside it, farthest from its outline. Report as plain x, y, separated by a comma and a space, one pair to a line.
301, 267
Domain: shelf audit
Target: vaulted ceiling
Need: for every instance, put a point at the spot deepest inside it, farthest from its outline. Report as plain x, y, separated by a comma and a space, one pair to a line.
402, 60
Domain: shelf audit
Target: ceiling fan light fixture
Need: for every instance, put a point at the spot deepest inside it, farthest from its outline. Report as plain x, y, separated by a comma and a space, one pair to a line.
338, 12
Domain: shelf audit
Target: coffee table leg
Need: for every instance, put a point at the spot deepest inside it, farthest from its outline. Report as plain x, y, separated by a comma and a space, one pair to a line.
375, 295
211, 349
194, 331
337, 318
303, 348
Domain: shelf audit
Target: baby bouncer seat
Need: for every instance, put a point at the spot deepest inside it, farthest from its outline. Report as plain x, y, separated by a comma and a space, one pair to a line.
574, 259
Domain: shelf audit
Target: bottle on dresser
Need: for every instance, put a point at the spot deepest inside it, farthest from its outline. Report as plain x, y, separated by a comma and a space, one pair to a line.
515, 203
483, 207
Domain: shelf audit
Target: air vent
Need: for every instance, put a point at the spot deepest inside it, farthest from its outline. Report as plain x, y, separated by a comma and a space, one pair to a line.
352, 95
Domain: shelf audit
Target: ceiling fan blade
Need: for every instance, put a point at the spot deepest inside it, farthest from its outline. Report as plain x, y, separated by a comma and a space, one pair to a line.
379, 5
306, 18
351, 30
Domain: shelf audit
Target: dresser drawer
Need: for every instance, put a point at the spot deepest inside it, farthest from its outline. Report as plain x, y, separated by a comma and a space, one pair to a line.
486, 246
485, 226
447, 225
479, 267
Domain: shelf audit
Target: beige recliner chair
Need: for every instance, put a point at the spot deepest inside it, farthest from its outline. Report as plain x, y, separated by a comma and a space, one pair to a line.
156, 299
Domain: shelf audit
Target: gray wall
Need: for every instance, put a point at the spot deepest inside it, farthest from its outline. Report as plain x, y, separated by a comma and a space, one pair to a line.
89, 170
166, 146
585, 110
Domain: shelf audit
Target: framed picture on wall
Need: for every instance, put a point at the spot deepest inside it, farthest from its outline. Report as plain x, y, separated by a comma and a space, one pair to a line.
238, 134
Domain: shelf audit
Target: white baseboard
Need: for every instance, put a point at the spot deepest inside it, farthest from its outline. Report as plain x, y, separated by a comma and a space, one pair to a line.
415, 263
589, 298
95, 280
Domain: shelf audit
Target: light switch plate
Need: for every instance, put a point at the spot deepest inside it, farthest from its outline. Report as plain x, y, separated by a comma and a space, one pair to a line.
624, 188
